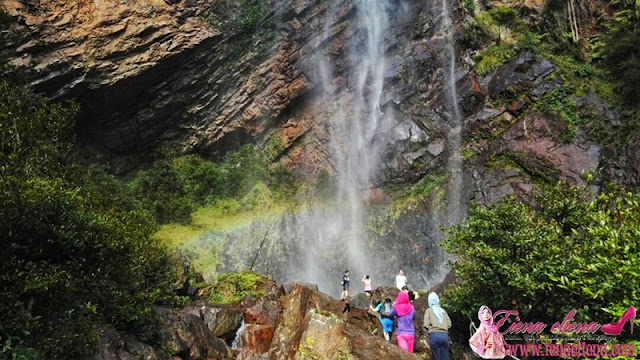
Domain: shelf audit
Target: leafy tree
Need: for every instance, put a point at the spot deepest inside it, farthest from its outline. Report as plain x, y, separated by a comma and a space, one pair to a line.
172, 188
621, 50
563, 250
75, 250
161, 189
497, 21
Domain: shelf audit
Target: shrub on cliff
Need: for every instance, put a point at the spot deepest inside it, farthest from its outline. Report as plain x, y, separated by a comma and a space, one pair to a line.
234, 286
621, 51
75, 251
561, 251
172, 189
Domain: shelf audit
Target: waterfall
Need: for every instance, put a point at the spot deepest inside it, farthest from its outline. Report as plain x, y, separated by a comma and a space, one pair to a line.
237, 340
354, 122
455, 163
358, 159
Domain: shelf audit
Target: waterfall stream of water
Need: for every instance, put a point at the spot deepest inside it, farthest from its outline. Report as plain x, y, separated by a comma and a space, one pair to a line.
358, 152
455, 209
338, 235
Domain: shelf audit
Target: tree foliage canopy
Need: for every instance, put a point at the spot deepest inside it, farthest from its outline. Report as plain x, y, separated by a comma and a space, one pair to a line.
75, 250
563, 250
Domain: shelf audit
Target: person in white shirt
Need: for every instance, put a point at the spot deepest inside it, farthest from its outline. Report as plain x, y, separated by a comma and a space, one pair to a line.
401, 280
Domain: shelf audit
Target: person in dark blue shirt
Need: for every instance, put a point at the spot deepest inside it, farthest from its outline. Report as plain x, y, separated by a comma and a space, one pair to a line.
345, 285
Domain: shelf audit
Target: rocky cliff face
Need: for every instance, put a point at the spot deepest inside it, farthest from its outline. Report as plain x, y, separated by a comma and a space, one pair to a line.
149, 71
210, 75
194, 73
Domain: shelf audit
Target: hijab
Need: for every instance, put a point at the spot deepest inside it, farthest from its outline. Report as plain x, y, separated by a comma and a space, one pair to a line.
487, 324
402, 305
434, 304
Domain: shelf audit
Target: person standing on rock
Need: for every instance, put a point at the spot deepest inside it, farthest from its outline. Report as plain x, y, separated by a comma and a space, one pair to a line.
367, 285
437, 322
405, 312
401, 280
345, 285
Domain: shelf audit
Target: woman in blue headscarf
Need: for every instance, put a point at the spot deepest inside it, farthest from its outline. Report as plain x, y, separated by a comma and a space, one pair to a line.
437, 323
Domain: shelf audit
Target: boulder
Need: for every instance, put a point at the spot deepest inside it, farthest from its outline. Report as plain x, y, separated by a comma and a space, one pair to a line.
257, 338
328, 337
189, 337
223, 321
114, 346
264, 313
260, 323
300, 305
520, 74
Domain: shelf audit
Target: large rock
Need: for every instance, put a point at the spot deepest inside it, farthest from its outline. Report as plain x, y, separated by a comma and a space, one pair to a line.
328, 337
261, 321
532, 151
189, 338
114, 346
300, 305
185, 335
223, 321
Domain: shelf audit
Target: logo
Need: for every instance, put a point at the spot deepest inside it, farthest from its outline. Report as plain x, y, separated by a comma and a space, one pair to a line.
490, 338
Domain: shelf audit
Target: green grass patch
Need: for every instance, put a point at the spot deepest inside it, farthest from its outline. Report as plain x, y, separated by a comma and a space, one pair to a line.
234, 286
494, 56
538, 168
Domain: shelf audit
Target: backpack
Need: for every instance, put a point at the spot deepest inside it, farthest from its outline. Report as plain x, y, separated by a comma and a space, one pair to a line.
385, 311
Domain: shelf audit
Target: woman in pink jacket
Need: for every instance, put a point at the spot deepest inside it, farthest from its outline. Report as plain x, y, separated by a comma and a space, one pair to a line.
405, 312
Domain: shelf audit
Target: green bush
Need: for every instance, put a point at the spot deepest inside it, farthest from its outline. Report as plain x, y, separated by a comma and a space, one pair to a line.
469, 6
252, 14
621, 52
497, 22
258, 198
233, 287
76, 251
561, 251
243, 169
173, 188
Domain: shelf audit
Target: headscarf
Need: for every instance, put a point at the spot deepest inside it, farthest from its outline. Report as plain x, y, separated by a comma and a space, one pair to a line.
487, 324
434, 304
402, 305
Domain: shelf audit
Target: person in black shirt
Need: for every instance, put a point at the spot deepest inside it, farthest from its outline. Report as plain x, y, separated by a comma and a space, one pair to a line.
345, 285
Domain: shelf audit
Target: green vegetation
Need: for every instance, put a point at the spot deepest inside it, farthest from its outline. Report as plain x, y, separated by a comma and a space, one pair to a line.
173, 188
233, 287
539, 169
204, 238
76, 251
563, 250
469, 6
620, 50
606, 63
620, 55
425, 190
198, 200
505, 30
252, 15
